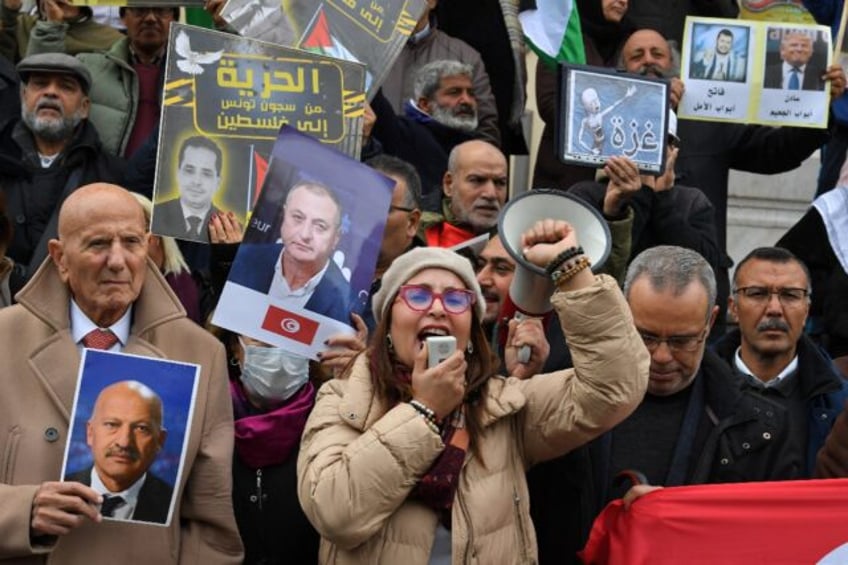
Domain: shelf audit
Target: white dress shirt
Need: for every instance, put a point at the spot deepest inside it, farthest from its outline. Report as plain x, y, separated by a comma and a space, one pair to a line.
130, 496
81, 325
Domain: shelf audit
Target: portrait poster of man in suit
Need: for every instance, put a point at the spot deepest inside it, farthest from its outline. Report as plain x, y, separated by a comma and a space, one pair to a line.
300, 270
129, 432
719, 52
800, 62
199, 164
309, 252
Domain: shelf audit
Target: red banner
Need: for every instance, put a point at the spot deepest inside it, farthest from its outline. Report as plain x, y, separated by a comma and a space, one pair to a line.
774, 522
290, 325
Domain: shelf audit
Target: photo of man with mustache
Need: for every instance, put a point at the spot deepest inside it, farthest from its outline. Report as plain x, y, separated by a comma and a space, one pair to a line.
125, 435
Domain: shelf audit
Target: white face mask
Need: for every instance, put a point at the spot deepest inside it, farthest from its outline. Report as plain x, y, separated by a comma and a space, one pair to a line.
272, 373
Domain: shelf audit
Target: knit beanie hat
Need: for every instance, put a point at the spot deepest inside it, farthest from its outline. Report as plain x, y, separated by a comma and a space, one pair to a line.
412, 262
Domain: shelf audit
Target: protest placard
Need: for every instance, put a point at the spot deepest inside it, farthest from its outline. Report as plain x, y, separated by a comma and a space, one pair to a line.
755, 72
786, 11
225, 99
310, 251
129, 432
604, 114
371, 32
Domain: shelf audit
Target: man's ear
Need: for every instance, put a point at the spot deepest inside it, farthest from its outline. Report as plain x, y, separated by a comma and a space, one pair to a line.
56, 250
85, 107
447, 184
412, 223
424, 104
732, 309
713, 316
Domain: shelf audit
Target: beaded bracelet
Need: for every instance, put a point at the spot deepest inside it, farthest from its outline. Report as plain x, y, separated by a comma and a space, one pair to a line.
560, 277
427, 413
564, 256
433, 427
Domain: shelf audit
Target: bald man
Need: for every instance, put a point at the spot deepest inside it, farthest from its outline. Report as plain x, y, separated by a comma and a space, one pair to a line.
475, 189
98, 289
125, 435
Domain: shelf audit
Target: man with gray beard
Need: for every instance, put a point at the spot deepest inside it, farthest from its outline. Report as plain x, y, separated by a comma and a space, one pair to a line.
47, 154
442, 114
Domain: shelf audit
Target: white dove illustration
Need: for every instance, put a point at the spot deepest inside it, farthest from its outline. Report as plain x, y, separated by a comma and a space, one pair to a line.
191, 61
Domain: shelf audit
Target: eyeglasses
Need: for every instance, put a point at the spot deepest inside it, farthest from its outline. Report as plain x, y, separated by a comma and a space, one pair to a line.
158, 12
392, 208
761, 295
686, 343
421, 298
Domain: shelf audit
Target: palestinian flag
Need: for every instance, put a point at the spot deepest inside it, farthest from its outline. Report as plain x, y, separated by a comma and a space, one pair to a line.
319, 39
553, 31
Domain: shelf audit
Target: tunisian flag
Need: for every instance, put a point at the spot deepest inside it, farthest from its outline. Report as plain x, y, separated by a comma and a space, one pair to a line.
763, 523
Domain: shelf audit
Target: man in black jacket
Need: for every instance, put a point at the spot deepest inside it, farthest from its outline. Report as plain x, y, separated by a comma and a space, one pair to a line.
48, 153
773, 357
694, 425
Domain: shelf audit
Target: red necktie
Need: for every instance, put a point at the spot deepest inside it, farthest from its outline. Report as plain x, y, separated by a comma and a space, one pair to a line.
99, 339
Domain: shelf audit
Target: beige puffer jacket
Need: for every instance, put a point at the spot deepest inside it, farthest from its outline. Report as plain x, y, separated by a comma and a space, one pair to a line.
359, 458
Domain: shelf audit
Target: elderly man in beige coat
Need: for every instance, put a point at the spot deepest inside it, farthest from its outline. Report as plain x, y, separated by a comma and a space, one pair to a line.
98, 278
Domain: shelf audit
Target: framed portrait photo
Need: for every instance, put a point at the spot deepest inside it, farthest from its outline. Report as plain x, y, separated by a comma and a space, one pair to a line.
604, 113
130, 427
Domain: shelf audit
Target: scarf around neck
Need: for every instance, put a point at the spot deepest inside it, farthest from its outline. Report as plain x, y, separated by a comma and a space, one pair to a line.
266, 439
437, 487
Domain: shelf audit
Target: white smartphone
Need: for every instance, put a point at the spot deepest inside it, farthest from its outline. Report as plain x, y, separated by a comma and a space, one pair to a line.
439, 348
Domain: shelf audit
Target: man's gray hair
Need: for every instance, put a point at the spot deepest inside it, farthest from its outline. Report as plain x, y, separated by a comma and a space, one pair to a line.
669, 267
429, 77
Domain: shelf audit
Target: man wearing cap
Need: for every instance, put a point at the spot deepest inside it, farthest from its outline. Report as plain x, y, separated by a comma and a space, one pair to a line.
127, 78
47, 153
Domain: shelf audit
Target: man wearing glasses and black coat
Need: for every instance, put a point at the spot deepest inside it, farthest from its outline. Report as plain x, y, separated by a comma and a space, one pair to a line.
773, 357
695, 425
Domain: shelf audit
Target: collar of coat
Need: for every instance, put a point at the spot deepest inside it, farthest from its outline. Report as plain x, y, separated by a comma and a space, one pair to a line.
816, 373
48, 298
360, 407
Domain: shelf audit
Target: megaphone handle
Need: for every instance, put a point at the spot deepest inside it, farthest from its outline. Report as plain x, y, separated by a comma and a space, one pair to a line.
523, 355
